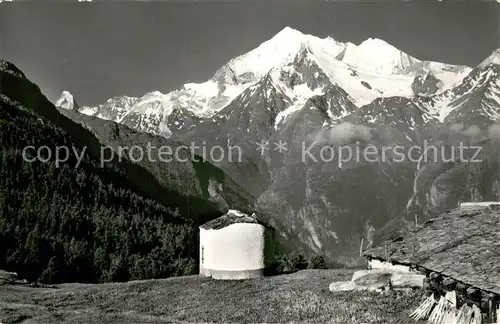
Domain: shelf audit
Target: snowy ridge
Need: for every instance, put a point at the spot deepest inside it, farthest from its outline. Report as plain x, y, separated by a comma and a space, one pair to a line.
491, 100
449, 75
299, 94
481, 81
494, 58
113, 109
361, 86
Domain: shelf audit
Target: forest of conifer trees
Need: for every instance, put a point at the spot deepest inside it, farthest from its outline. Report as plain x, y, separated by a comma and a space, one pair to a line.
66, 224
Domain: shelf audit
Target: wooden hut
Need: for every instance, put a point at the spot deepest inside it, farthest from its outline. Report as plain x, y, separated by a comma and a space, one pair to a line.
459, 252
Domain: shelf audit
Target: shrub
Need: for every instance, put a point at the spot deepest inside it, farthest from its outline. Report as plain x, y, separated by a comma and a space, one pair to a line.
317, 262
291, 262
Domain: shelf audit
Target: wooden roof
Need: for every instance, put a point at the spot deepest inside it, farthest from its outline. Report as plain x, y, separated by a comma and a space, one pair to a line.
463, 244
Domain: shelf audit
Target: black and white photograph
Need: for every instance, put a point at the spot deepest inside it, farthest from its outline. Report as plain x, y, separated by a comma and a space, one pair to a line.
249, 162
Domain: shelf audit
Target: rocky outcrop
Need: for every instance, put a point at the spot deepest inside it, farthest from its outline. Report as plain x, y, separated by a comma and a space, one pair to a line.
380, 280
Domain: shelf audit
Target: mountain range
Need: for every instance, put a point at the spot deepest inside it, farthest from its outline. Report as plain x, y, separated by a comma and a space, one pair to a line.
366, 71
315, 92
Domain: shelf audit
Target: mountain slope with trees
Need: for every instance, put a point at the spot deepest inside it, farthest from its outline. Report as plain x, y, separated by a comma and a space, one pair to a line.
85, 223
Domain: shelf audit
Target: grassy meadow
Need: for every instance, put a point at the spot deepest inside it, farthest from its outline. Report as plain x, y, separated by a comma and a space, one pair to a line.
301, 297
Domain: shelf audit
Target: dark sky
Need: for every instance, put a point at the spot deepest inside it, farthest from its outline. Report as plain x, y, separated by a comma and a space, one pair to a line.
101, 50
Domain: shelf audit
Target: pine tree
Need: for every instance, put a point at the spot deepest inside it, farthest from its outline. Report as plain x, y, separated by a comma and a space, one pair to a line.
50, 274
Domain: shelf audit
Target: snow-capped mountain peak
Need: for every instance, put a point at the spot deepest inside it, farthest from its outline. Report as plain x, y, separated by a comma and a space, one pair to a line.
366, 71
277, 51
378, 57
66, 101
373, 55
494, 58
288, 34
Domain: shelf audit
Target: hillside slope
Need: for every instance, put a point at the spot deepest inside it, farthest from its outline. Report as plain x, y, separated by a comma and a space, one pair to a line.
82, 220
204, 188
301, 297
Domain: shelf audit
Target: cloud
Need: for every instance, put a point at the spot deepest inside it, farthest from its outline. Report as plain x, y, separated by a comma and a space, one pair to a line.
494, 132
472, 131
342, 134
456, 127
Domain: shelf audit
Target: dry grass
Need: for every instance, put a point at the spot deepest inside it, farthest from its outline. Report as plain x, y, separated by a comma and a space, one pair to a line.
299, 297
